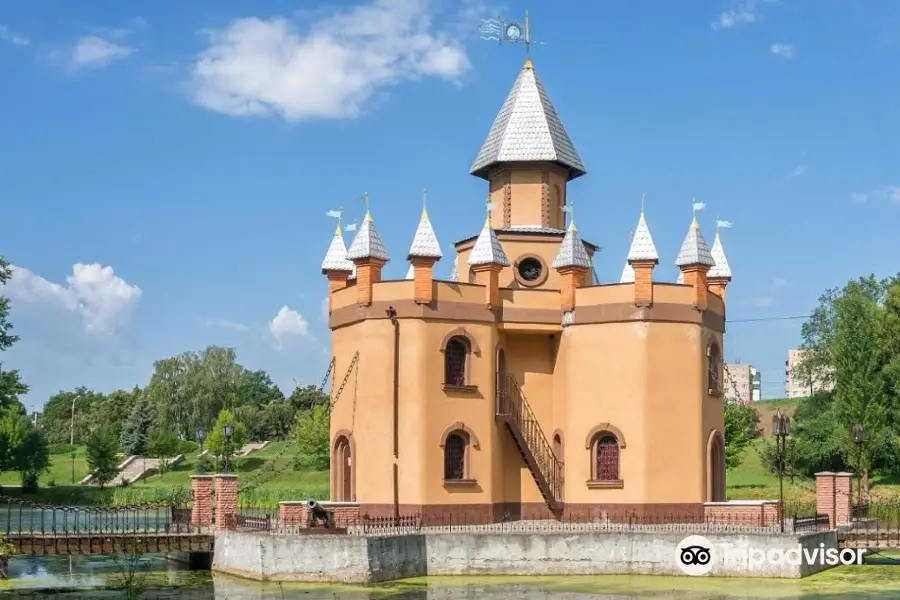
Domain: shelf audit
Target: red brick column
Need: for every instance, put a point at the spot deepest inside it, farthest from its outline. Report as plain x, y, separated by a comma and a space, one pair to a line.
843, 498
202, 490
226, 500
825, 496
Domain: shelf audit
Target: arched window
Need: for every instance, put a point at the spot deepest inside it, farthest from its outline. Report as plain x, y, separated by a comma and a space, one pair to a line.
715, 468
713, 368
606, 458
456, 359
455, 454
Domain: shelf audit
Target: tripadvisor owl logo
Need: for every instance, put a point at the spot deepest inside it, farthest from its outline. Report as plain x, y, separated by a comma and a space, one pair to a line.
695, 555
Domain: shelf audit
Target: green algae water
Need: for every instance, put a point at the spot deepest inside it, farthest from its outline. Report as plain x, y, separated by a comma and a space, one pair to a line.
102, 577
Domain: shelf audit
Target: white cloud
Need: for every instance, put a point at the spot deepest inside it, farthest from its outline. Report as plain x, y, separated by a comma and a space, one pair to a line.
226, 324
331, 69
743, 13
286, 323
102, 299
95, 52
6, 35
782, 50
890, 193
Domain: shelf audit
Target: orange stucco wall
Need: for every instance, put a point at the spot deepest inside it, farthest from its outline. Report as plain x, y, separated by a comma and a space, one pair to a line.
646, 378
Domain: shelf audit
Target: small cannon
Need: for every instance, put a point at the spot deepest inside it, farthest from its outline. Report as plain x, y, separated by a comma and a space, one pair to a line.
318, 515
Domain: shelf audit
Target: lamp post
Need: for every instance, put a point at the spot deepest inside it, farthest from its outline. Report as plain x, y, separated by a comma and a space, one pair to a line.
228, 432
859, 437
781, 430
201, 435
72, 439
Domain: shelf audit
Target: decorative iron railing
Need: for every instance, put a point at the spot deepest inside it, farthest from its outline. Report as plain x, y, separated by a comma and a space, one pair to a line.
818, 522
252, 523
512, 407
399, 524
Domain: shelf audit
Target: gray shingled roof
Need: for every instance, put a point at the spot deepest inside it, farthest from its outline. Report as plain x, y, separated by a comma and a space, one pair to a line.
642, 247
627, 273
487, 249
367, 243
425, 243
571, 251
694, 250
336, 257
722, 268
527, 128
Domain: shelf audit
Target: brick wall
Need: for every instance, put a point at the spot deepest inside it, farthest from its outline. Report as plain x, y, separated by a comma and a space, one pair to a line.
752, 513
346, 514
643, 283
202, 492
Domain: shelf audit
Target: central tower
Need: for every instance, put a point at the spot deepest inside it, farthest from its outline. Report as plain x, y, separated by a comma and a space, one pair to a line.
527, 159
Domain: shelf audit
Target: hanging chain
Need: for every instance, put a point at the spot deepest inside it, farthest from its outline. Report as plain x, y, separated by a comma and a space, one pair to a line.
272, 473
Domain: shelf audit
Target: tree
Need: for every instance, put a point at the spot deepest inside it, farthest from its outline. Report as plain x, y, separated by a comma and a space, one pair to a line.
164, 444
304, 398
741, 428
24, 447
136, 432
11, 386
311, 435
258, 390
216, 442
56, 417
277, 419
101, 450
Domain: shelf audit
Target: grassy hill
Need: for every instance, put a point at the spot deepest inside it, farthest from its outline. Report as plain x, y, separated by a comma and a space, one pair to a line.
270, 467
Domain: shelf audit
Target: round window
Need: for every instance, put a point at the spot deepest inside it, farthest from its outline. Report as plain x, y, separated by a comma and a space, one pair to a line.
530, 269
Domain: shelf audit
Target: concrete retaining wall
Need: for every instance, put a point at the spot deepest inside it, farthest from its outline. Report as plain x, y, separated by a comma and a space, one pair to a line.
360, 559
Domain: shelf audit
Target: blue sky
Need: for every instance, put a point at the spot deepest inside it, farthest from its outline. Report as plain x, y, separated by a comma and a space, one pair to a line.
166, 167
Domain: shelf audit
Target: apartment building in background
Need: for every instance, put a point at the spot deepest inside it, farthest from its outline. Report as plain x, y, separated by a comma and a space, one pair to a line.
743, 383
798, 386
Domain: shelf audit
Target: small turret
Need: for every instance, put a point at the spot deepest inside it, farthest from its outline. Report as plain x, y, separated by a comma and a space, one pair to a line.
369, 256
642, 258
695, 260
487, 260
720, 275
573, 264
336, 266
424, 252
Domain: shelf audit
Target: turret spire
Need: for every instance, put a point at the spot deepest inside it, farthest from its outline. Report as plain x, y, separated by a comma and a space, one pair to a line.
367, 243
487, 249
572, 252
336, 256
721, 269
694, 249
425, 243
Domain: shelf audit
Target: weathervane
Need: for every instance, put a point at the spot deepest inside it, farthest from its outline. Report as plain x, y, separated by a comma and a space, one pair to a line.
502, 30
568, 209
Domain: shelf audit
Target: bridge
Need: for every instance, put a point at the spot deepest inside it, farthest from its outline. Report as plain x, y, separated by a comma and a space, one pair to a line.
42, 529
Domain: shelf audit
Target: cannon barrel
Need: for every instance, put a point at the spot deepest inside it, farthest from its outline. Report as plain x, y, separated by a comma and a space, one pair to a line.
316, 509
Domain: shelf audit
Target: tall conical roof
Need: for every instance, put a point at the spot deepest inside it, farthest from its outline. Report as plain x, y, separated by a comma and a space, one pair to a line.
722, 268
336, 256
425, 243
627, 273
571, 251
367, 243
642, 247
487, 249
454, 274
527, 128
694, 250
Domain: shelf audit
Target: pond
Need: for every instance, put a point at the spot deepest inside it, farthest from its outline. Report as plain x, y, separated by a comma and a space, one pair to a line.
96, 577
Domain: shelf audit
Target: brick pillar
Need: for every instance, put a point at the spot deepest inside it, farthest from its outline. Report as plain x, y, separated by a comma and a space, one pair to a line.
368, 273
336, 280
489, 277
643, 282
695, 276
717, 286
202, 491
572, 279
843, 498
226, 500
825, 504
423, 277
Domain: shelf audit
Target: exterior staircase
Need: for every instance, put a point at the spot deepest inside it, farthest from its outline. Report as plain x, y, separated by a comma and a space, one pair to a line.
514, 412
133, 469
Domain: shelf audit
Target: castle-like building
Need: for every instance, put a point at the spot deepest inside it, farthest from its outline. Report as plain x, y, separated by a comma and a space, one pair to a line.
522, 385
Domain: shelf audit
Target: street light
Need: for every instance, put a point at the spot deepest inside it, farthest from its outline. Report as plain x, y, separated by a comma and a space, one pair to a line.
781, 425
228, 432
201, 435
859, 437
